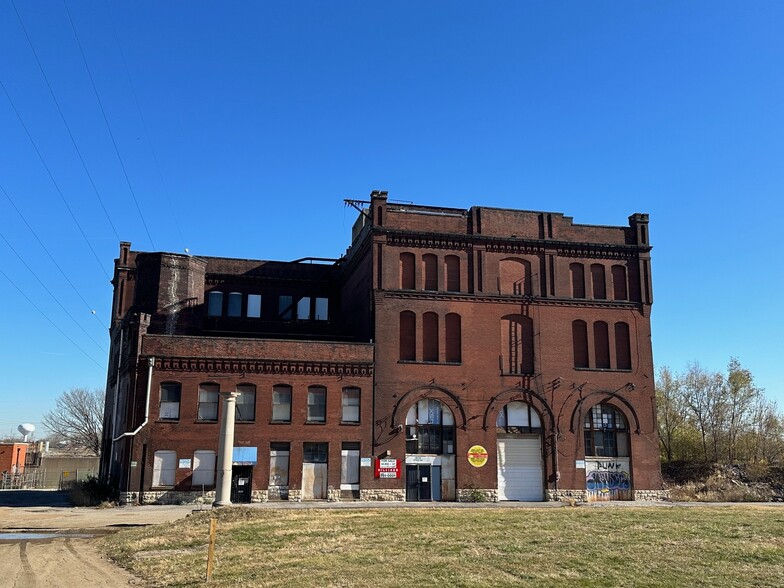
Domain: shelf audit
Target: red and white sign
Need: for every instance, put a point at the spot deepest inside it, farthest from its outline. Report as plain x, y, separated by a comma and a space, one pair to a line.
388, 468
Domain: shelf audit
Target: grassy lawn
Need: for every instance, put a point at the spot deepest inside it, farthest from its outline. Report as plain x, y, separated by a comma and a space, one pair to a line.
697, 546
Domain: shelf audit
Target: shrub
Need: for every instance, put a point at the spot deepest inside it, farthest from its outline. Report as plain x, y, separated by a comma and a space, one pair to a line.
92, 491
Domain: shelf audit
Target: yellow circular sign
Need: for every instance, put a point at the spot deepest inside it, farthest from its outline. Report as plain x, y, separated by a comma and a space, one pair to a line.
477, 456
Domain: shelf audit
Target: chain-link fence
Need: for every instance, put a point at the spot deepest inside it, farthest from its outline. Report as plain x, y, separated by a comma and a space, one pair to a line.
27, 480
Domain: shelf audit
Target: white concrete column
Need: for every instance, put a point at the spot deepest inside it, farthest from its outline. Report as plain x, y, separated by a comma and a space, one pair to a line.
225, 450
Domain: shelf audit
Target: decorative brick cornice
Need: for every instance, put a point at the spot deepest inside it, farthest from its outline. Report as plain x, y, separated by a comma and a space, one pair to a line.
263, 366
501, 299
512, 246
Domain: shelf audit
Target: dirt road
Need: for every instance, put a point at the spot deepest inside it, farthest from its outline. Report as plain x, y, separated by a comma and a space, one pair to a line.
65, 560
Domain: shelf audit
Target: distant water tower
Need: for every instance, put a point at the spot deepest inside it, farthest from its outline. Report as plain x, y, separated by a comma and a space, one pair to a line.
25, 429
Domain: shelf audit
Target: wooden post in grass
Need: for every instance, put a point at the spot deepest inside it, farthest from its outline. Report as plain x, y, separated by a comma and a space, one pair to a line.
211, 550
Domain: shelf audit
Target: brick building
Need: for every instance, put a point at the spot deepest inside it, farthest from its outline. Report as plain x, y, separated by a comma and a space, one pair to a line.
450, 354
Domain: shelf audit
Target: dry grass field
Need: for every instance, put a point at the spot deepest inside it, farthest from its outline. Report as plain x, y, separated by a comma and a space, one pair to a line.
696, 546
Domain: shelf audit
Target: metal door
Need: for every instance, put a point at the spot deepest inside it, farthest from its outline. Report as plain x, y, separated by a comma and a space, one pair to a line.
419, 483
241, 482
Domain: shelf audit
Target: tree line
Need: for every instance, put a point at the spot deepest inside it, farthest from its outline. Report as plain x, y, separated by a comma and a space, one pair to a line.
718, 417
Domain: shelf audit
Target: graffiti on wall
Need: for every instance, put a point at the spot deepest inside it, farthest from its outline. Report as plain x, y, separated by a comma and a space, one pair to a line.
607, 479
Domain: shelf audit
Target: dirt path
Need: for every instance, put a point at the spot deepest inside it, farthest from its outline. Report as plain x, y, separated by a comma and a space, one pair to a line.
59, 563
66, 561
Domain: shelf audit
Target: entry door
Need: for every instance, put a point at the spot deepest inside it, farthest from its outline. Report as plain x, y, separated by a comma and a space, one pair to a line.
423, 483
241, 477
314, 481
520, 474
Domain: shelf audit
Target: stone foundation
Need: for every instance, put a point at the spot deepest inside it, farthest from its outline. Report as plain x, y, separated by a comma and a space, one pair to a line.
394, 495
278, 493
333, 495
477, 495
658, 495
567, 495
168, 497
259, 496
295, 495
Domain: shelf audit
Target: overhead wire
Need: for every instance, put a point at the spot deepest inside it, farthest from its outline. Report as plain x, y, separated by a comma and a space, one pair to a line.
65, 122
106, 122
51, 177
165, 184
48, 291
34, 305
51, 257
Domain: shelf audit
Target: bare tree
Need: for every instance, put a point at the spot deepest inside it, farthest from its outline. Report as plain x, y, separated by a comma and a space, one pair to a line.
671, 409
78, 417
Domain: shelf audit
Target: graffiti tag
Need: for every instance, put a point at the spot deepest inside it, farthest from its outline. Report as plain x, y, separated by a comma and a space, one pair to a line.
607, 481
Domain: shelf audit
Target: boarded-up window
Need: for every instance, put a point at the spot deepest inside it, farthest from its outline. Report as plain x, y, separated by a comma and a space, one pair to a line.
279, 464
598, 281
235, 304
453, 338
317, 404
281, 403
430, 337
349, 466
620, 288
203, 468
518, 417
170, 401
407, 274
514, 277
580, 343
350, 408
254, 305
623, 354
407, 336
246, 403
578, 280
430, 271
517, 344
208, 402
164, 466
601, 344
452, 267
215, 304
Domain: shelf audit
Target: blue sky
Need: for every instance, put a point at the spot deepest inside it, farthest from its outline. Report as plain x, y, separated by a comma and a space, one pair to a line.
242, 126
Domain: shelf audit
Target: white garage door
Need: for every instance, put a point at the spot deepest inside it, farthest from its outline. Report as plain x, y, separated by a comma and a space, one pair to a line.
520, 469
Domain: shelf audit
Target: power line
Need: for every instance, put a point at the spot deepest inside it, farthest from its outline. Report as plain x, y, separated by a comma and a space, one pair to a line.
65, 310
67, 128
106, 121
50, 320
51, 177
165, 184
54, 261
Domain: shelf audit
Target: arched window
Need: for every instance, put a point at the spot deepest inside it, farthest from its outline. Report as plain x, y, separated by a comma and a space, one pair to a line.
215, 303
514, 277
578, 280
606, 432
620, 288
517, 344
430, 336
407, 336
601, 344
518, 417
430, 271
453, 338
623, 353
580, 343
452, 270
430, 428
598, 281
407, 274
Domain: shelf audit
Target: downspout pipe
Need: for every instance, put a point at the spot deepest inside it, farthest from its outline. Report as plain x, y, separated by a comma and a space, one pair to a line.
150, 366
